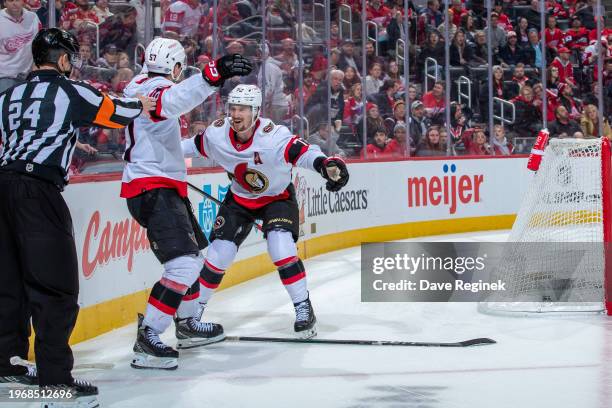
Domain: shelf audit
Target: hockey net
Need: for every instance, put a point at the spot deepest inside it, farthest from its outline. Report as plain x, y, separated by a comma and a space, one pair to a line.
567, 206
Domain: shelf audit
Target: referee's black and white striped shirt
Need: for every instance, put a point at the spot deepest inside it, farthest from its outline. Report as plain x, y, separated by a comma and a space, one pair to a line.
39, 119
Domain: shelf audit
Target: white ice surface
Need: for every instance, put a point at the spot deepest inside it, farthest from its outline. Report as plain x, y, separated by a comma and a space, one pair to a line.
544, 362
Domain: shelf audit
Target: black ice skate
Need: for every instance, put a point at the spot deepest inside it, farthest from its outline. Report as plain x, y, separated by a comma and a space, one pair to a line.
191, 333
305, 320
30, 377
84, 395
151, 352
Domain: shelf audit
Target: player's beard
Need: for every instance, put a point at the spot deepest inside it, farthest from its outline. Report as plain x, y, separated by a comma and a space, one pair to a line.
241, 126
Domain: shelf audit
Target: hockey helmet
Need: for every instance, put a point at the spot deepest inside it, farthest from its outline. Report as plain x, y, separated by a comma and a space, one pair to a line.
162, 55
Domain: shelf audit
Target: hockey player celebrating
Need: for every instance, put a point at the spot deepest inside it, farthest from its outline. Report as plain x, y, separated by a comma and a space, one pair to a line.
259, 156
156, 191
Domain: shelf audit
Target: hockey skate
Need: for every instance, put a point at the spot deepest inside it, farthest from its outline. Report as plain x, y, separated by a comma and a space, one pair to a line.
28, 378
191, 333
151, 352
84, 395
305, 320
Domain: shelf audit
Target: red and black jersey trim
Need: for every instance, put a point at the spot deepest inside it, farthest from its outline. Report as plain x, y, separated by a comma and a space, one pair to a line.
156, 115
295, 149
239, 145
128, 153
211, 276
199, 143
292, 272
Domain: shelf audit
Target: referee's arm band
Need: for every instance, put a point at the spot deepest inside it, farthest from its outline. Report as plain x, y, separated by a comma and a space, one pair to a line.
116, 113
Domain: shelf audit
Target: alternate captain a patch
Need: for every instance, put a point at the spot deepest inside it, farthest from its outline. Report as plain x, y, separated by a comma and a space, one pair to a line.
218, 122
268, 128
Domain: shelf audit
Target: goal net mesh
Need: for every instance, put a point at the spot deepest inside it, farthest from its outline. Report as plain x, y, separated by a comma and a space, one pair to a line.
563, 205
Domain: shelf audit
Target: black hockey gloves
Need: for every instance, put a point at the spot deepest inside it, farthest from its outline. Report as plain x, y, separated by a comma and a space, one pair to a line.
334, 170
216, 72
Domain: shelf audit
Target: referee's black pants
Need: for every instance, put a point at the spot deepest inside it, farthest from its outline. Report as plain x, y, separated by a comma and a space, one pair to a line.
38, 277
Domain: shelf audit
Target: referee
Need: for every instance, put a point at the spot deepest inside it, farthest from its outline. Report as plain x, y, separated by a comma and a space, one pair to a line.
38, 259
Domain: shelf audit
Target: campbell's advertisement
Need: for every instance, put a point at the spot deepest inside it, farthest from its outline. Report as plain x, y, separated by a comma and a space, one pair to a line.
115, 258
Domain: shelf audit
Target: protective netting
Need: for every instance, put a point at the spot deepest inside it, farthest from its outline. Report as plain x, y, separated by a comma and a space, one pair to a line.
563, 205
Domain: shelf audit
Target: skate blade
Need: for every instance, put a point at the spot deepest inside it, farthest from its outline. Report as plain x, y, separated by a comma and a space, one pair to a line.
306, 334
144, 361
193, 342
81, 402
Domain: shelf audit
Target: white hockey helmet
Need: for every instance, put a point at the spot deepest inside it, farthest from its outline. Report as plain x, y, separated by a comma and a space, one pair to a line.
162, 54
246, 95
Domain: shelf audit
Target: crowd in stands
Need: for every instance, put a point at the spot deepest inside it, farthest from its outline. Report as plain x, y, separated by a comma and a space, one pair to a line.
354, 118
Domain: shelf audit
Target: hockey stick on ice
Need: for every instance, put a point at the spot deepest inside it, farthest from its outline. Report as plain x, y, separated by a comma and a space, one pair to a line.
466, 343
214, 200
16, 360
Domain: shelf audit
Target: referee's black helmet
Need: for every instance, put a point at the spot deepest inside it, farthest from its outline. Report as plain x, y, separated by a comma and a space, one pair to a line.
51, 43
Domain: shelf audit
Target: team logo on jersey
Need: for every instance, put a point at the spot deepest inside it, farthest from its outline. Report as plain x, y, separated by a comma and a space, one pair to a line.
250, 179
268, 128
218, 122
219, 222
257, 159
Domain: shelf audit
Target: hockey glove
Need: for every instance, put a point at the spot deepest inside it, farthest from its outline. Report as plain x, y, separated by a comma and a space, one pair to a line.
216, 72
334, 170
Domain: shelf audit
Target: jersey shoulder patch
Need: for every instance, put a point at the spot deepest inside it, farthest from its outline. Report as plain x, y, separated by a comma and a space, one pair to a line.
268, 128
218, 122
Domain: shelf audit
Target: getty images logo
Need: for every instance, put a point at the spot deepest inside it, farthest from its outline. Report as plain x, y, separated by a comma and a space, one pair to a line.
447, 190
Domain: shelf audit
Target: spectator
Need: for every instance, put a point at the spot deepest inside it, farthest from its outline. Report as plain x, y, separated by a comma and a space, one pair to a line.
503, 20
398, 147
534, 50
577, 37
498, 34
101, 10
308, 88
522, 32
477, 144
589, 122
511, 54
480, 50
373, 81
501, 145
431, 16
76, 14
317, 105
412, 95
371, 56
434, 100
399, 111
120, 29
432, 48
533, 15
377, 12
139, 9
500, 90
351, 77
563, 126
275, 105
527, 121
43, 13
551, 101
385, 98
418, 122
552, 79
18, 27
393, 72
374, 122
469, 27
109, 58
519, 76
564, 66
347, 56
566, 98
590, 55
378, 148
430, 144
585, 13
553, 35
326, 138
457, 12
460, 52
86, 54
353, 107
288, 59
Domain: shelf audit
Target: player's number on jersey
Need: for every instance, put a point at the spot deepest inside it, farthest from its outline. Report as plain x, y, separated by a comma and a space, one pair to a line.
31, 113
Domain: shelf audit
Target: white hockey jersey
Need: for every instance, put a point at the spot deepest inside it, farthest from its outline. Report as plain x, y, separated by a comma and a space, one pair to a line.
16, 42
153, 146
260, 169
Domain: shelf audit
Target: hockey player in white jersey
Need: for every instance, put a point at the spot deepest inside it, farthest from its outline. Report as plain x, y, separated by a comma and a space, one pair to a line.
259, 156
154, 184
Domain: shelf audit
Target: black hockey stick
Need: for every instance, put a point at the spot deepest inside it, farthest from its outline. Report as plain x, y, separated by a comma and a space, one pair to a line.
466, 343
214, 200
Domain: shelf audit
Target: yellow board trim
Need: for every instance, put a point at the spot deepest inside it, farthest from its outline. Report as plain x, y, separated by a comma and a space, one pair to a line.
106, 316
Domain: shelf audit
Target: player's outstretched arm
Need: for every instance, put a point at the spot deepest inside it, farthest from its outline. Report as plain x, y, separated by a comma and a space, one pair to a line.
181, 98
300, 153
197, 146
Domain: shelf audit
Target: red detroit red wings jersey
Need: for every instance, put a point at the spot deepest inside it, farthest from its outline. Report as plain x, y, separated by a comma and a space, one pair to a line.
260, 168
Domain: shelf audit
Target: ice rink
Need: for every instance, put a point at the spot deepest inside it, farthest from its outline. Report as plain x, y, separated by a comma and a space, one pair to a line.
556, 362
